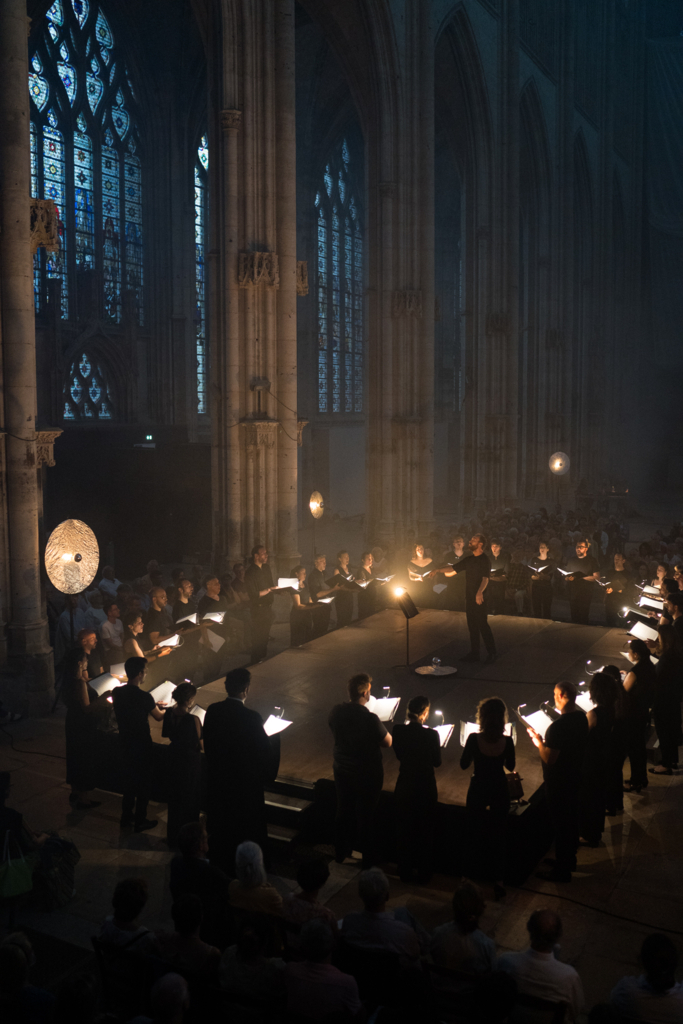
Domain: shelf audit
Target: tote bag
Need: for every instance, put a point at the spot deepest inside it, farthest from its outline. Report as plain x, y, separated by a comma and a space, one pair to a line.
16, 874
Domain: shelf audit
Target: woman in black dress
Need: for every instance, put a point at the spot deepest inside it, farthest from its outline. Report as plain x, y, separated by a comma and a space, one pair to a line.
343, 603
666, 708
635, 703
488, 798
184, 730
302, 614
542, 567
366, 597
420, 587
601, 779
419, 753
82, 708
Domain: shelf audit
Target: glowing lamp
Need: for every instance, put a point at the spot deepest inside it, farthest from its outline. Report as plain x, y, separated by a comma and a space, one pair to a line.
316, 505
399, 591
559, 463
72, 556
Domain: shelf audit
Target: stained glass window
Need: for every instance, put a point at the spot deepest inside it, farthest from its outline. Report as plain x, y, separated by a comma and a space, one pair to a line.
86, 155
200, 239
87, 394
339, 291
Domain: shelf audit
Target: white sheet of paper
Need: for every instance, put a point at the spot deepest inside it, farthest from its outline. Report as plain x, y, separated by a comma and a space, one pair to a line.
467, 728
584, 701
106, 681
565, 572
643, 632
119, 670
327, 600
188, 618
539, 721
272, 726
172, 641
215, 641
650, 602
445, 732
200, 713
285, 582
651, 591
439, 588
384, 708
216, 617
163, 692
538, 569
362, 583
384, 579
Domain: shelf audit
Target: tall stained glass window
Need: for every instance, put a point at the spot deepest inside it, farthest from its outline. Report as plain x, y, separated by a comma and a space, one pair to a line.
200, 221
85, 154
339, 288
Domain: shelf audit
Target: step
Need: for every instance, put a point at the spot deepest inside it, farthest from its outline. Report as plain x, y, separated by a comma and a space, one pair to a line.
281, 834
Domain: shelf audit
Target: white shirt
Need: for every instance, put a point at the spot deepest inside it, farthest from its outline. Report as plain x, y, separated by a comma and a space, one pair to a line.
112, 635
543, 976
108, 587
633, 997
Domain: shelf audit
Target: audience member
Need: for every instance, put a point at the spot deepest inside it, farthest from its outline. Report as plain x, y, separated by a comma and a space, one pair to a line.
112, 635
316, 989
655, 996
461, 945
251, 891
109, 584
375, 927
538, 972
245, 969
302, 906
78, 1001
95, 615
192, 872
122, 928
169, 1000
183, 948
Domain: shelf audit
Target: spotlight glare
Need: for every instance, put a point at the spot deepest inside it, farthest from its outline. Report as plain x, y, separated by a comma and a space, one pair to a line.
66, 557
399, 591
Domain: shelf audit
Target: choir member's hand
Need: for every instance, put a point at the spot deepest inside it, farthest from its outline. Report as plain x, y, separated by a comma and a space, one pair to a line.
651, 644
534, 736
535, 577
609, 590
479, 598
163, 651
161, 704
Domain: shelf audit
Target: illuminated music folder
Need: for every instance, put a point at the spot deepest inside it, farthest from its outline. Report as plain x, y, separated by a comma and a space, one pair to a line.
643, 632
650, 591
215, 642
272, 726
584, 701
566, 572
163, 693
285, 583
199, 713
650, 602
171, 641
383, 579
439, 588
539, 568
422, 573
119, 670
385, 708
445, 732
339, 581
192, 619
538, 720
101, 684
216, 617
326, 600
467, 728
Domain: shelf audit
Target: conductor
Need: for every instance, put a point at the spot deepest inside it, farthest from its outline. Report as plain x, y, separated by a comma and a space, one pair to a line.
477, 568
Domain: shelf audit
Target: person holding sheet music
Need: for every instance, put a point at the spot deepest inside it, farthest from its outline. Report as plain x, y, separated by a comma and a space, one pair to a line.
419, 568
601, 766
562, 754
344, 600
317, 588
259, 582
132, 707
488, 797
302, 614
500, 563
635, 703
81, 703
582, 571
183, 604
133, 627
184, 730
542, 568
668, 693
158, 623
477, 568
617, 592
367, 602
419, 753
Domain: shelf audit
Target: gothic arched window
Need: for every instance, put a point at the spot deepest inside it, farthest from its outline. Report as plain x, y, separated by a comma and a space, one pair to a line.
339, 289
200, 222
84, 155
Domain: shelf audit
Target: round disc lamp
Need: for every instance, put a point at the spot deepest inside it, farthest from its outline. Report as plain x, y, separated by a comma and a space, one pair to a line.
72, 556
316, 505
559, 463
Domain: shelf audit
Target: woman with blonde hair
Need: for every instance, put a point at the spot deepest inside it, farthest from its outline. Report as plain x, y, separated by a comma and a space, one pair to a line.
488, 798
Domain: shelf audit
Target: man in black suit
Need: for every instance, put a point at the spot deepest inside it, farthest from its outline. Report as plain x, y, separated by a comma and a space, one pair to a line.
239, 761
259, 583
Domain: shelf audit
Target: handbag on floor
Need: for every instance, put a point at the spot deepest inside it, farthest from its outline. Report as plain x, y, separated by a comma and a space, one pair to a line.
515, 787
54, 877
16, 873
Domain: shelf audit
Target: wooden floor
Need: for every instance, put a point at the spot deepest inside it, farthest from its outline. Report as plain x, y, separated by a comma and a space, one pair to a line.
308, 681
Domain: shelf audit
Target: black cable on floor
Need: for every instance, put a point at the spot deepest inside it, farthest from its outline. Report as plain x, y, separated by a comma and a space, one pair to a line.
40, 753
599, 910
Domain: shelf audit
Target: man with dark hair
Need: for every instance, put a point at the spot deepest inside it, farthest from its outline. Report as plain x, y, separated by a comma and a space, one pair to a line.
315, 989
500, 563
122, 928
477, 568
240, 761
562, 754
132, 707
87, 638
358, 771
461, 944
158, 623
656, 995
258, 579
537, 971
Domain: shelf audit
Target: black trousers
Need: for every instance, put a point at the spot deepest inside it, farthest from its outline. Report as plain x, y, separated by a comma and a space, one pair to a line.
580, 596
542, 600
261, 620
613, 606
495, 598
636, 748
477, 623
343, 604
415, 800
354, 826
563, 805
137, 784
667, 716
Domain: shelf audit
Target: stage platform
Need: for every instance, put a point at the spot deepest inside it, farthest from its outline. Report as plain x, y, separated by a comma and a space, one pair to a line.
309, 680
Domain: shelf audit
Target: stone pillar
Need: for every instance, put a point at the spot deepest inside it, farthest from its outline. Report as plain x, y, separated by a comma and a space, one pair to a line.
29, 649
253, 344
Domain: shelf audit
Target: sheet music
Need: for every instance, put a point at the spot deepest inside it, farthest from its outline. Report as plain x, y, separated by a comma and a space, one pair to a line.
188, 618
445, 732
584, 701
643, 632
538, 720
164, 692
285, 582
384, 708
106, 681
272, 726
385, 579
119, 670
649, 602
199, 713
216, 617
467, 728
439, 588
215, 641
172, 641
326, 600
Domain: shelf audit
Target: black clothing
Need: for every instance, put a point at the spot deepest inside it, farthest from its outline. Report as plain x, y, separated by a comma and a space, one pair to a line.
238, 758
302, 620
199, 877
488, 801
568, 734
185, 769
132, 707
475, 568
621, 584
454, 596
581, 591
666, 706
11, 821
208, 604
367, 601
158, 622
416, 797
343, 602
542, 589
181, 610
598, 783
315, 581
258, 578
95, 662
358, 776
80, 735
495, 592
422, 592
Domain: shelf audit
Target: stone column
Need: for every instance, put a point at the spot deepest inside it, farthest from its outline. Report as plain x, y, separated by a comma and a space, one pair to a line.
29, 648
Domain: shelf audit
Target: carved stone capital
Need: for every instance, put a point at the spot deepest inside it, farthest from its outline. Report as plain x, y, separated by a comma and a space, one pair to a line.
300, 424
257, 268
231, 121
302, 277
45, 442
407, 303
44, 225
388, 189
497, 323
259, 434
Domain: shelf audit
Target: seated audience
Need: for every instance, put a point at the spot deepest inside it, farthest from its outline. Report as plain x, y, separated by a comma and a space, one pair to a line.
537, 971
375, 927
655, 996
316, 989
461, 945
169, 1000
122, 928
303, 906
21, 1002
78, 1001
95, 616
109, 584
244, 968
183, 948
112, 635
191, 872
251, 890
